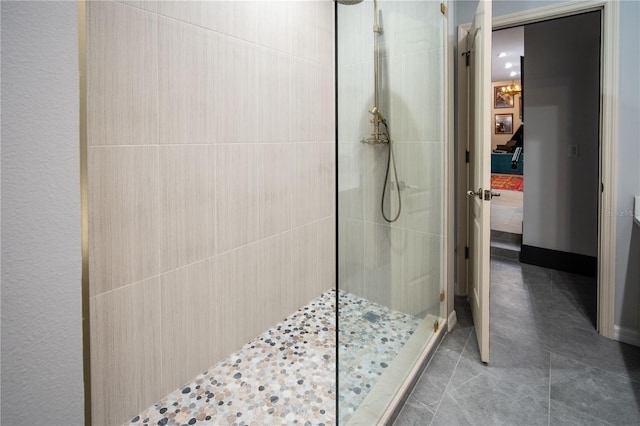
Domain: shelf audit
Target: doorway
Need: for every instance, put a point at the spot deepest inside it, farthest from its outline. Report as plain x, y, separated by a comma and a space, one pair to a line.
557, 231
606, 159
507, 142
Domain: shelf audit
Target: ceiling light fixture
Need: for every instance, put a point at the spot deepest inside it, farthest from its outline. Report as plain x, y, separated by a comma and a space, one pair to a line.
513, 73
508, 65
512, 89
502, 55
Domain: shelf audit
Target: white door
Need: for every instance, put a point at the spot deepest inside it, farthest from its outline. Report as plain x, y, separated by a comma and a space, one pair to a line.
479, 190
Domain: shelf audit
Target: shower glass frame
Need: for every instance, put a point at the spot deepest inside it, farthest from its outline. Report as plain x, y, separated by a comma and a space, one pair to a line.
391, 276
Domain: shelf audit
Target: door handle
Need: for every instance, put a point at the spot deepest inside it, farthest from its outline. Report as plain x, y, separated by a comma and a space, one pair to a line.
477, 193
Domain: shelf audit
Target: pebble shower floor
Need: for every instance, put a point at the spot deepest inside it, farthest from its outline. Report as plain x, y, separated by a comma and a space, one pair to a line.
287, 374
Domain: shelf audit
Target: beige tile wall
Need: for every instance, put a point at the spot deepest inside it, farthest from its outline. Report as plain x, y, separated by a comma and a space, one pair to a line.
211, 184
125, 347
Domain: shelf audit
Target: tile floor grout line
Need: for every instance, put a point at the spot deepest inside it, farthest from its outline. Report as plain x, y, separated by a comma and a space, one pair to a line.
549, 405
435, 413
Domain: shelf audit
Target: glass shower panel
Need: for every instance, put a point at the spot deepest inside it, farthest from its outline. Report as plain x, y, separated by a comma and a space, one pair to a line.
390, 274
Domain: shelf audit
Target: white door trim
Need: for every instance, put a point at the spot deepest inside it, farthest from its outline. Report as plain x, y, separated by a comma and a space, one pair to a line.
462, 171
608, 138
608, 167
450, 222
554, 11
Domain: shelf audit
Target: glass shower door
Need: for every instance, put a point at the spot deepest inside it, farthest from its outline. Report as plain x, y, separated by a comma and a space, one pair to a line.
390, 272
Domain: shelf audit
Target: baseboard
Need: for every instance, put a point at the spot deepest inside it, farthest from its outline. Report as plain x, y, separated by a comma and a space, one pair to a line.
626, 335
559, 260
452, 321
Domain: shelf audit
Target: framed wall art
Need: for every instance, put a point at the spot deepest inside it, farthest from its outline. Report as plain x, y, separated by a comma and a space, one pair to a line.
500, 99
504, 124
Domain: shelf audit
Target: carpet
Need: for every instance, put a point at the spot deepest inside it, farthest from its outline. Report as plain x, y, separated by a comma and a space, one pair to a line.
507, 182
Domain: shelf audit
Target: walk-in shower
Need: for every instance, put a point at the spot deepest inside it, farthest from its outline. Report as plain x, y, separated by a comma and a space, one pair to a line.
210, 290
391, 265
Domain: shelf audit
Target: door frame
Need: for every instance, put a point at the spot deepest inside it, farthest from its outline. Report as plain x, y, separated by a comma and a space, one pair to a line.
609, 61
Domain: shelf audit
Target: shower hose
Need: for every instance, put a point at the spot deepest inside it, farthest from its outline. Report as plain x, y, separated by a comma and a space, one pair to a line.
390, 158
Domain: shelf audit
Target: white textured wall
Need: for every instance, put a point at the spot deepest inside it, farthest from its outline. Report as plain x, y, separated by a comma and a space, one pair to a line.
41, 257
211, 184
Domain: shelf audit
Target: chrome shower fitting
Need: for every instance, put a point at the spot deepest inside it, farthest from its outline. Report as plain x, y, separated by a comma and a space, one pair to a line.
376, 112
377, 137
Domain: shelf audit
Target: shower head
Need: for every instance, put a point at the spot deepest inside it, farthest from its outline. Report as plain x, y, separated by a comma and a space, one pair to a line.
348, 2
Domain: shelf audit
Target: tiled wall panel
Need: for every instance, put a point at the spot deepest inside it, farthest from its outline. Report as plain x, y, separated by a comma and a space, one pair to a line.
187, 89
187, 204
275, 165
211, 183
188, 312
126, 369
236, 195
122, 75
124, 216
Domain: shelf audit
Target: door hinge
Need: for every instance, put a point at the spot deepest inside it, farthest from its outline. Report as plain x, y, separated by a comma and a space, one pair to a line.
442, 296
602, 187
443, 9
466, 55
466, 252
436, 326
467, 156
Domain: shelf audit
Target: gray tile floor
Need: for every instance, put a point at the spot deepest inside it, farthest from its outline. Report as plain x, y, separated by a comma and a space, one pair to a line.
548, 365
